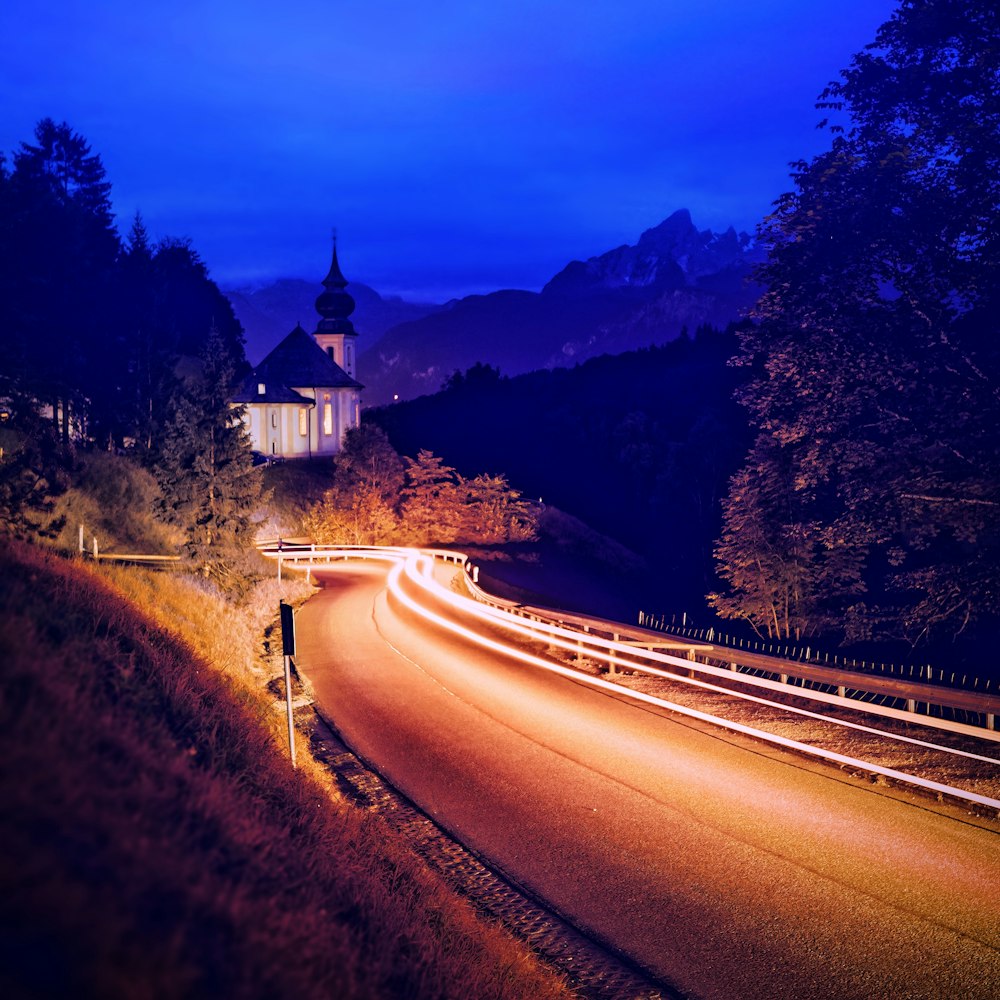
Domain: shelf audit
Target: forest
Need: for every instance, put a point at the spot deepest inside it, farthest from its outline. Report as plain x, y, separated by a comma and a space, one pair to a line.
113, 344
828, 469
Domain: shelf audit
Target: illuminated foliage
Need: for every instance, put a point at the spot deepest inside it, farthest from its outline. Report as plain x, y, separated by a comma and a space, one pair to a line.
33, 472
432, 500
874, 360
495, 513
781, 567
376, 500
360, 508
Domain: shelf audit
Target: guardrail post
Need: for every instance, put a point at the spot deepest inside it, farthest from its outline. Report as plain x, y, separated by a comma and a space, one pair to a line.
95, 547
842, 691
911, 705
81, 546
279, 565
991, 721
612, 661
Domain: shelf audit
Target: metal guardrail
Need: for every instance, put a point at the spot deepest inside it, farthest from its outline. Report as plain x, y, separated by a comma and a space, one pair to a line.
628, 647
620, 652
417, 570
136, 558
792, 652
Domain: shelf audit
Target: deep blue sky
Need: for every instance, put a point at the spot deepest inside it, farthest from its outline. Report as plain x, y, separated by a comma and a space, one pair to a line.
456, 145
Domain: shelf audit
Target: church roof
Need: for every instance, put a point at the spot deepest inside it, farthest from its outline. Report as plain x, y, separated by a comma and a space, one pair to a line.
297, 361
249, 392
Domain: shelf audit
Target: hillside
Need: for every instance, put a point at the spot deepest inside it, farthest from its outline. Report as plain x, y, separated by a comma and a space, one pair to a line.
674, 277
158, 843
639, 446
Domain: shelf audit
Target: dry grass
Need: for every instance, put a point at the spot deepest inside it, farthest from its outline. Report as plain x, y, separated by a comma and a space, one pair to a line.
112, 497
158, 843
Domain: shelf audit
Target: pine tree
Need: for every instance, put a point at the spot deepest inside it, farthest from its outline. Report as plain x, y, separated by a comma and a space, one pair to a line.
60, 251
209, 484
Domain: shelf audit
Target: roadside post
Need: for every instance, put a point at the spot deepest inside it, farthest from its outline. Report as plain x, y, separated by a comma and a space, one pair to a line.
288, 651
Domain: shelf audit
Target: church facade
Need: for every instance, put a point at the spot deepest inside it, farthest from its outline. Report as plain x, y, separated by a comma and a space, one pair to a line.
302, 398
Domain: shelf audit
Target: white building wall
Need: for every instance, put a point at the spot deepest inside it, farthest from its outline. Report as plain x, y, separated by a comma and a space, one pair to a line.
285, 436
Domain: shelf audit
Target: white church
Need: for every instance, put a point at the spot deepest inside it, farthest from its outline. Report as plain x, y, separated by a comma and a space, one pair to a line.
302, 398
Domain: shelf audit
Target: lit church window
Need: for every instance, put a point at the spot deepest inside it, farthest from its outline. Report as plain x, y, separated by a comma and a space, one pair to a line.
261, 389
303, 420
328, 418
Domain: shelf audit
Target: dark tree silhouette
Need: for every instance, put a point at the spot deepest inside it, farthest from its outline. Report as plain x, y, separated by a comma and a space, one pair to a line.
210, 487
59, 248
875, 359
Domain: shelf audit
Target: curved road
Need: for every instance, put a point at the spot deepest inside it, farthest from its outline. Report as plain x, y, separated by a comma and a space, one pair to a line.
725, 867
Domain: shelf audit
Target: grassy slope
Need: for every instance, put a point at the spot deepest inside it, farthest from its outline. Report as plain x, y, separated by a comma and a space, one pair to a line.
157, 842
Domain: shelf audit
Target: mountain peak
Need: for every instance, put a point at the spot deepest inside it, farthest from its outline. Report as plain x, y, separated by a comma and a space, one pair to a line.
674, 228
671, 255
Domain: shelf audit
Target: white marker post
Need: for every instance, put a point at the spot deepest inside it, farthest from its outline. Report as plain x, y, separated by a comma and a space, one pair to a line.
288, 650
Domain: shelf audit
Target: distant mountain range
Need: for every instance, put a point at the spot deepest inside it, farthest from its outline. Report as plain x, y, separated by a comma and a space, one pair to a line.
269, 312
676, 276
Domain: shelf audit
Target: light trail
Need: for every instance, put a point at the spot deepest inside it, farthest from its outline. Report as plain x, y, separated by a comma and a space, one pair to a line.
417, 569
613, 657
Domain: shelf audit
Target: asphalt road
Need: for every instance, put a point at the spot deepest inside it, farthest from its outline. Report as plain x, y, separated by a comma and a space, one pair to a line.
727, 868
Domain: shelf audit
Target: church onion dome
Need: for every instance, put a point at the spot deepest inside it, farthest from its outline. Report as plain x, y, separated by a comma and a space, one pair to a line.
334, 305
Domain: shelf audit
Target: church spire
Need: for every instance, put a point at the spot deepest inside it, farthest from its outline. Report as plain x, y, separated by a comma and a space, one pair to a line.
335, 305
335, 279
335, 332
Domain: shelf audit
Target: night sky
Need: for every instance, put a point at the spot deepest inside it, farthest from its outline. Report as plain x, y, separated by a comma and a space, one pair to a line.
457, 146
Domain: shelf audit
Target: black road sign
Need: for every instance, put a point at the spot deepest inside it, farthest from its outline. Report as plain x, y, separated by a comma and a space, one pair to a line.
287, 629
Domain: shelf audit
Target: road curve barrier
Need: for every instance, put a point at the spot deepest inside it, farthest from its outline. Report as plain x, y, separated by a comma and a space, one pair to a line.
627, 648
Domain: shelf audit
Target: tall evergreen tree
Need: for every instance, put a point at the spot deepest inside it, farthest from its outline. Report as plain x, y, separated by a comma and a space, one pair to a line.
209, 485
60, 248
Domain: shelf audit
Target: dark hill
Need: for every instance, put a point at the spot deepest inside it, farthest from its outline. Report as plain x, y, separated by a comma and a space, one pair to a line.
674, 277
639, 446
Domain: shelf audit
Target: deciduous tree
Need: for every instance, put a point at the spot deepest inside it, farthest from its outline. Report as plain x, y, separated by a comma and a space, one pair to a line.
433, 503
875, 360
495, 513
